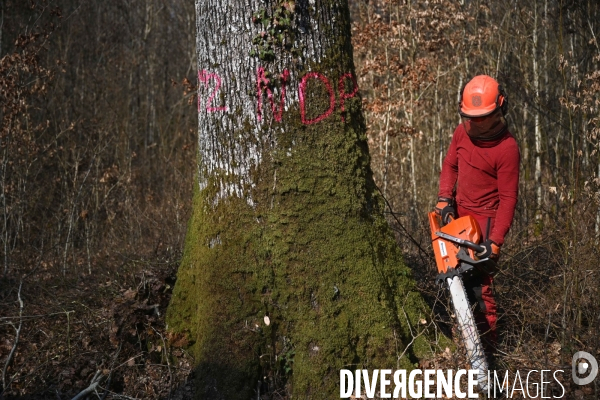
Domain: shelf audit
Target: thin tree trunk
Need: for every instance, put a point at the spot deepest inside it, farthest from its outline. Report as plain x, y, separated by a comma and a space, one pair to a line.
387, 124
537, 129
525, 157
386, 155
598, 212
1, 24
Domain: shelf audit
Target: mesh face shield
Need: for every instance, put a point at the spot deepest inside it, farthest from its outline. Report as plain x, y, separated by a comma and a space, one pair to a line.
485, 128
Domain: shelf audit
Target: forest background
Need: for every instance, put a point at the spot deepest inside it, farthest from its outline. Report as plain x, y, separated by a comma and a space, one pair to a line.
98, 142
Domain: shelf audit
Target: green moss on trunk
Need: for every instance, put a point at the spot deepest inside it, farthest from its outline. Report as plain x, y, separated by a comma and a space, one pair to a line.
315, 255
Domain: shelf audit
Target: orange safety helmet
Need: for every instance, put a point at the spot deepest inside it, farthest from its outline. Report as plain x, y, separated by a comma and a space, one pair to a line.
481, 97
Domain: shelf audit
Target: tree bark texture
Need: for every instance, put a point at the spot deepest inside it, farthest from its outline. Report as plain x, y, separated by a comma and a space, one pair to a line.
290, 271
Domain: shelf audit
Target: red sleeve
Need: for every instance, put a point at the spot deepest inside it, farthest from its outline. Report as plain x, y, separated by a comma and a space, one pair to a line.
508, 190
449, 169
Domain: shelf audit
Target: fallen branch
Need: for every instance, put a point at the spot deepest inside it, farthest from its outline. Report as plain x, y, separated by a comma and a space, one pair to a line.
118, 396
36, 316
93, 385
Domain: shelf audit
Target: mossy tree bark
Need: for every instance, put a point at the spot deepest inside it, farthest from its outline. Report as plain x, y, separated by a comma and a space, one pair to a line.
290, 271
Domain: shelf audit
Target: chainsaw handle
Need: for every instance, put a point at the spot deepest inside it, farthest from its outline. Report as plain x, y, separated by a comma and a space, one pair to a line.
450, 218
474, 246
461, 242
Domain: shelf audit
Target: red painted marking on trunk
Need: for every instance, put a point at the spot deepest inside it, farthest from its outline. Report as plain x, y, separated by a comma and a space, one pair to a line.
342, 89
204, 76
302, 91
262, 83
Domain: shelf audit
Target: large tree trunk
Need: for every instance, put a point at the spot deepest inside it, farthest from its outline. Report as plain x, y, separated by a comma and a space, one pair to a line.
290, 271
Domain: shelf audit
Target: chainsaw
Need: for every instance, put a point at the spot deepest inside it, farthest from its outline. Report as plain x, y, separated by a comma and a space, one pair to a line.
456, 245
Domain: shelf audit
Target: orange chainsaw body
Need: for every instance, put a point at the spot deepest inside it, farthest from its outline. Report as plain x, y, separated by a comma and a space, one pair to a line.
465, 228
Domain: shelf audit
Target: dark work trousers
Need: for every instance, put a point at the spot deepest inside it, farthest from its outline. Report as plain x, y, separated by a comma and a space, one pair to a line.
479, 288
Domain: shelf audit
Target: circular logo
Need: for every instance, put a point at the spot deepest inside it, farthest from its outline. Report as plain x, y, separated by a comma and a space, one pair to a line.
476, 100
581, 367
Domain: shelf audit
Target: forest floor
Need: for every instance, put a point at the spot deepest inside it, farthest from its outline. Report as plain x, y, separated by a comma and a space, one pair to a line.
111, 324
108, 323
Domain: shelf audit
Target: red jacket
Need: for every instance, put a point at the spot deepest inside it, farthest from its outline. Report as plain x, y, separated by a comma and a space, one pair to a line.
488, 178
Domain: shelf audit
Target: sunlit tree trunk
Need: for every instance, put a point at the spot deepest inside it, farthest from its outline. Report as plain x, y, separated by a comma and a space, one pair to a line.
538, 133
525, 155
290, 271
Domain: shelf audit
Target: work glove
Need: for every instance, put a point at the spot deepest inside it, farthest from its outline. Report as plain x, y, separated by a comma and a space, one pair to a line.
492, 250
444, 208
